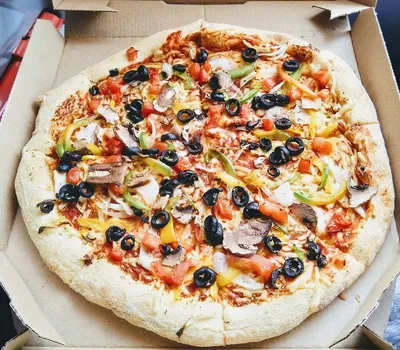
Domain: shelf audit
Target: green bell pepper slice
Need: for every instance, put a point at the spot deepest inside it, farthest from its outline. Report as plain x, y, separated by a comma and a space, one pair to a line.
242, 71
144, 141
134, 201
249, 95
325, 175
187, 79
323, 200
298, 252
64, 143
158, 166
276, 134
227, 163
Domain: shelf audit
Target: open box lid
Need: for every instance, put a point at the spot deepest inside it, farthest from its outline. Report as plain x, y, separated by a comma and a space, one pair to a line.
17, 110
336, 7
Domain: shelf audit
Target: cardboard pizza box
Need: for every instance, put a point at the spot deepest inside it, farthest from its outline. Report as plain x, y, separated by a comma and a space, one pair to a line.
51, 313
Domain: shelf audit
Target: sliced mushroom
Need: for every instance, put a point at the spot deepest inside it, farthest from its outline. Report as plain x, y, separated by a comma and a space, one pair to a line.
125, 136
360, 194
224, 79
166, 70
108, 113
176, 257
106, 173
242, 241
276, 113
140, 180
305, 213
165, 99
183, 211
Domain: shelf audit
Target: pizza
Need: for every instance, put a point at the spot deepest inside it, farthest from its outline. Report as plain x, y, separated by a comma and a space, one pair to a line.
213, 184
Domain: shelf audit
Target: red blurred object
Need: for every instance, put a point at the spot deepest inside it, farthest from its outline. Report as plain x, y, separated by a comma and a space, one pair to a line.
8, 78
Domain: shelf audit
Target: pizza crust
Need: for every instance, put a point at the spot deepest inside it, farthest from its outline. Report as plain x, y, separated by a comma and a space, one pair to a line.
201, 323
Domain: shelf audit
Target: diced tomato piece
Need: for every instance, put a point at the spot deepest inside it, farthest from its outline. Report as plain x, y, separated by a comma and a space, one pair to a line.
322, 77
113, 159
183, 164
304, 166
198, 232
215, 109
116, 255
154, 89
223, 209
103, 88
338, 223
162, 146
204, 77
274, 211
116, 189
294, 94
323, 94
214, 114
131, 54
194, 71
74, 176
173, 276
269, 83
322, 145
120, 81
113, 87
151, 241
117, 98
257, 263
115, 146
238, 262
148, 109
268, 124
72, 213
207, 66
93, 104
245, 111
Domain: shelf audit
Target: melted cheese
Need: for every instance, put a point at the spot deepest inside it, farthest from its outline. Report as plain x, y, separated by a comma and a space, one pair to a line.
317, 296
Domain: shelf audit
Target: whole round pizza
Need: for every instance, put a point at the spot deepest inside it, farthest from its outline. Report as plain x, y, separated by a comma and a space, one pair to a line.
213, 184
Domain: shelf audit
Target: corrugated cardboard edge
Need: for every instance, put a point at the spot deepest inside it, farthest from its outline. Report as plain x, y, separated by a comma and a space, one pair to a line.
341, 8
23, 304
17, 342
83, 5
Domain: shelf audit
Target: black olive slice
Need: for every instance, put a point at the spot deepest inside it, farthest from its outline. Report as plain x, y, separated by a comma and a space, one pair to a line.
169, 136
274, 277
86, 189
64, 165
314, 250
291, 65
138, 212
322, 261
128, 242
217, 96
251, 125
202, 56
181, 68
185, 115
134, 116
167, 187
160, 219
273, 243
166, 249
295, 145
273, 171
233, 107
255, 103
94, 90
150, 151
68, 193
282, 100
214, 83
187, 177
250, 55
267, 101
240, 196
210, 197
293, 267
280, 156
204, 277
194, 147
283, 123
142, 73
46, 206
213, 230
114, 233
130, 151
169, 157
251, 211
72, 156
137, 103
113, 72
265, 144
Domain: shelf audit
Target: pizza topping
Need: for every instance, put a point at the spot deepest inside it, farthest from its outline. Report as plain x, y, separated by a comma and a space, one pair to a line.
128, 242
94, 90
250, 55
86, 190
68, 193
360, 194
274, 277
141, 74
167, 187
226, 162
251, 211
240, 196
204, 277
222, 62
283, 123
183, 211
165, 99
114, 233
233, 107
291, 65
273, 171
109, 114
185, 115
280, 156
210, 197
314, 250
293, 267
217, 96
305, 213
247, 282
46, 206
145, 257
295, 145
195, 147
106, 173
125, 136
187, 177
242, 241
202, 56
174, 257
221, 80
64, 165
273, 243
213, 231
169, 157
322, 261
160, 219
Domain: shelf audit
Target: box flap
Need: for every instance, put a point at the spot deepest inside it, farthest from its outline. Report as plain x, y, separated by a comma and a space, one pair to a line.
23, 303
378, 341
17, 342
341, 8
83, 5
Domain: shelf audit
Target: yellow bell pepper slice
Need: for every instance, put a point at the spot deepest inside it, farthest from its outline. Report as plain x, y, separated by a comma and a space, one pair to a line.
313, 123
329, 184
214, 291
329, 130
227, 277
167, 233
323, 200
277, 134
256, 179
230, 180
94, 149
64, 143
